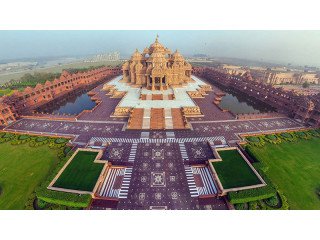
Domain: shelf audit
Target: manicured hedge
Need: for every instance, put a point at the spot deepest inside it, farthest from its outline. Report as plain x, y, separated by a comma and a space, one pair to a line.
273, 201
255, 141
23, 137
41, 139
8, 135
287, 136
251, 195
272, 138
303, 135
284, 201
61, 140
63, 198
314, 133
241, 206
66, 150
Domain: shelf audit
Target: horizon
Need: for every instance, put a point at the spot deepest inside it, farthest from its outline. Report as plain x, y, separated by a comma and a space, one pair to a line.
278, 47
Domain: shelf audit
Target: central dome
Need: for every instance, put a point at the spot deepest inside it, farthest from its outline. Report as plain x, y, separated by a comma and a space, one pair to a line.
156, 68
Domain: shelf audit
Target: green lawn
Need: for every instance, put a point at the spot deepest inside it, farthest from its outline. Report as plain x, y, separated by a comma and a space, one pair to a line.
295, 168
233, 171
81, 173
22, 169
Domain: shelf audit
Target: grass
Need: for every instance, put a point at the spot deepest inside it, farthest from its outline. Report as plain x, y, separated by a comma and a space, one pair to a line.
81, 173
294, 168
233, 171
22, 169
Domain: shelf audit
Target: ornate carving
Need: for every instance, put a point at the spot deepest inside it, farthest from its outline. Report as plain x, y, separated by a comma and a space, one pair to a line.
191, 111
122, 111
156, 67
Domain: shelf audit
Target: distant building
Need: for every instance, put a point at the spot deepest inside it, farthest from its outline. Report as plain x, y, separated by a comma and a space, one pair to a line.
269, 76
114, 56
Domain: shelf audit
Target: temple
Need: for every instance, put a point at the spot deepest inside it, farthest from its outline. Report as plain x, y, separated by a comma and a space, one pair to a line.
156, 68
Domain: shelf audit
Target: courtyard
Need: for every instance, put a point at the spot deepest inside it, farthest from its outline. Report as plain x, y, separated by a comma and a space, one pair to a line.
153, 169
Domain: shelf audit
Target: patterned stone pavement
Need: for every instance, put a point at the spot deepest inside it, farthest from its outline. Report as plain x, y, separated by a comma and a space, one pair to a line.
158, 179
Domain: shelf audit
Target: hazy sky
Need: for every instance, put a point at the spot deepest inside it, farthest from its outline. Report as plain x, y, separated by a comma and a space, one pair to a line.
296, 47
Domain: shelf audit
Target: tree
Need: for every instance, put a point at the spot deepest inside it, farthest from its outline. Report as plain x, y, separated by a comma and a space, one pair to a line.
305, 84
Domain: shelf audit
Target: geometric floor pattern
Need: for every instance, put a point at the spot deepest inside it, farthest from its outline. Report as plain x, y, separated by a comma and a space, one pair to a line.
204, 180
112, 183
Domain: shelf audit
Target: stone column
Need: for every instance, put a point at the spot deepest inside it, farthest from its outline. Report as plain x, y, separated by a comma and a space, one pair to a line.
148, 80
153, 88
161, 88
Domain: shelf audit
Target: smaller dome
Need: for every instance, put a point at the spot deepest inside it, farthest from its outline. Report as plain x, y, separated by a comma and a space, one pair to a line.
136, 55
177, 56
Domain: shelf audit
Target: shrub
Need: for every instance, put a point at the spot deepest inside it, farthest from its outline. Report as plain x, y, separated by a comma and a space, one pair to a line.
23, 137
8, 135
251, 195
302, 135
256, 141
273, 201
41, 204
61, 140
41, 139
284, 201
241, 206
271, 138
64, 198
67, 149
253, 139
0, 190
287, 136
314, 133
253, 205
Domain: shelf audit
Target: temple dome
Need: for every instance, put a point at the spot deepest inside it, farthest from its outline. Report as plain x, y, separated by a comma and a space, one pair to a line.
136, 55
156, 46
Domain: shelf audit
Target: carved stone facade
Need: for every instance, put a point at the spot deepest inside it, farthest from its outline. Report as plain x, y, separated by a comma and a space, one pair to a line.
303, 108
156, 68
